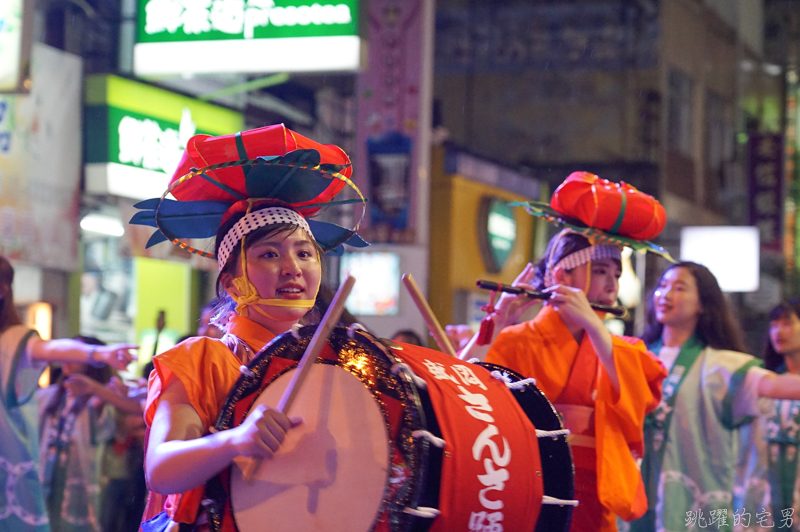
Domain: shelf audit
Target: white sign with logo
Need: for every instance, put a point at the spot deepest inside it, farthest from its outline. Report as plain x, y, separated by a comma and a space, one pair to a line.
215, 36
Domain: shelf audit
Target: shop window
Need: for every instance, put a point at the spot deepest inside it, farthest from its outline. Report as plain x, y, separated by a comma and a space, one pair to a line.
719, 140
679, 113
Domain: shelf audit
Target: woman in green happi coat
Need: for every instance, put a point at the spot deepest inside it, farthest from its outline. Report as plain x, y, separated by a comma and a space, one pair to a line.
693, 438
782, 423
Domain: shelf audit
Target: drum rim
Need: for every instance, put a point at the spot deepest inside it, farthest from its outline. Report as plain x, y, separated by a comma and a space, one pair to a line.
251, 383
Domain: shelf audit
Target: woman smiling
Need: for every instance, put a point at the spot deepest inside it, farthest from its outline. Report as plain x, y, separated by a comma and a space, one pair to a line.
692, 437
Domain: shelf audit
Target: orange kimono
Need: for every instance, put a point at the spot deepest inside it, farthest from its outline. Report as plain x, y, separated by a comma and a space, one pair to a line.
208, 370
606, 427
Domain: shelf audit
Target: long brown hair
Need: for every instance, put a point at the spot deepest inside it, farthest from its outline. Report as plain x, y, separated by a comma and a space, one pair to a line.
8, 314
716, 327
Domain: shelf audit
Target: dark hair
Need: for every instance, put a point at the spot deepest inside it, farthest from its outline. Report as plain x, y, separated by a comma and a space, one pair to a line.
324, 299
560, 246
226, 305
147, 369
411, 337
8, 314
772, 359
716, 327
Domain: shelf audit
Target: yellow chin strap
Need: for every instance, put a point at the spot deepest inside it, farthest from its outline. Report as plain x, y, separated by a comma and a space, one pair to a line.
249, 294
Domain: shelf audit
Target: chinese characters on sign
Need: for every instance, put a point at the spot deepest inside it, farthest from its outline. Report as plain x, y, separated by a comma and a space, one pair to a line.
237, 18
765, 175
183, 37
145, 144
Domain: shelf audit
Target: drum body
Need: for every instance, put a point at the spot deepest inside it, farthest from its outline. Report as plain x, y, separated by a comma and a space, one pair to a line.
395, 438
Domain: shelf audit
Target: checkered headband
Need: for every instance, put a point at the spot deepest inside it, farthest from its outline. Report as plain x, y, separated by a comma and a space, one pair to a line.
581, 257
255, 220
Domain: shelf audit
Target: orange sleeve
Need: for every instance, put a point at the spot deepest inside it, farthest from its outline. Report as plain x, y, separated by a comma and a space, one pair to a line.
619, 427
208, 371
206, 368
543, 349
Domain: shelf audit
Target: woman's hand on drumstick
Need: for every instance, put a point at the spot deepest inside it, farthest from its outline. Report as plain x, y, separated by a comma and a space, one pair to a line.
263, 432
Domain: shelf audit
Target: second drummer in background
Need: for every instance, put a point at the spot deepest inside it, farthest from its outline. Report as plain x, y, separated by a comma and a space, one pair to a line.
602, 385
270, 272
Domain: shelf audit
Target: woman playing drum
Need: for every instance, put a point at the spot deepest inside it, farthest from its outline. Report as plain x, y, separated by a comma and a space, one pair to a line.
270, 270
603, 385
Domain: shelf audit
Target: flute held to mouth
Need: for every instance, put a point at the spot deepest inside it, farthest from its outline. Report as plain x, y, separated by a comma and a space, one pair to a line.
490, 285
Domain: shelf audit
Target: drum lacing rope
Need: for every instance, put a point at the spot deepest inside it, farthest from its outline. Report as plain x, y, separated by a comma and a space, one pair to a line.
546, 499
436, 441
295, 330
521, 384
503, 376
473, 360
418, 382
244, 370
351, 330
552, 433
427, 513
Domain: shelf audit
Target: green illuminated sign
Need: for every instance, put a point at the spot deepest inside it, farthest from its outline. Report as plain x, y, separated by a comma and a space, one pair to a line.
202, 20
136, 134
180, 37
497, 232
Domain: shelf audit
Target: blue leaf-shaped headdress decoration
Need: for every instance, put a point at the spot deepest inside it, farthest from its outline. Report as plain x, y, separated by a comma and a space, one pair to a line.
296, 179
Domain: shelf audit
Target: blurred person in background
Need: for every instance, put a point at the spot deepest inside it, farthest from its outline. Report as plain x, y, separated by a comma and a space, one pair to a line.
123, 489
407, 336
74, 427
693, 437
459, 335
23, 357
121, 467
782, 421
208, 326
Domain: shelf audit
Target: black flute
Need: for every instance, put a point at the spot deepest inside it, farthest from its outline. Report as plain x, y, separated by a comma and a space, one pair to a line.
491, 285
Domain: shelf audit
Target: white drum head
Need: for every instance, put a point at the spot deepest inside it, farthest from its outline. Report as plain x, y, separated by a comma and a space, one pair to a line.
331, 471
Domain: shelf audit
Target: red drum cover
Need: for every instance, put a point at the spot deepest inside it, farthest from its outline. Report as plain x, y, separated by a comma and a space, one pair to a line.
204, 150
617, 208
491, 472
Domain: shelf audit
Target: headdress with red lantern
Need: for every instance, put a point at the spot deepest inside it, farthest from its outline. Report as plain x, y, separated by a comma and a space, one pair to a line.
610, 215
219, 177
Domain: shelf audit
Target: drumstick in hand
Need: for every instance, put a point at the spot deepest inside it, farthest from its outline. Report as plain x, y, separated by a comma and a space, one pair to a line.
427, 314
324, 330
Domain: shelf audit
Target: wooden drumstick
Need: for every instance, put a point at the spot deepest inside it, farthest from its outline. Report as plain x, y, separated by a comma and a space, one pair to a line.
324, 330
427, 314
